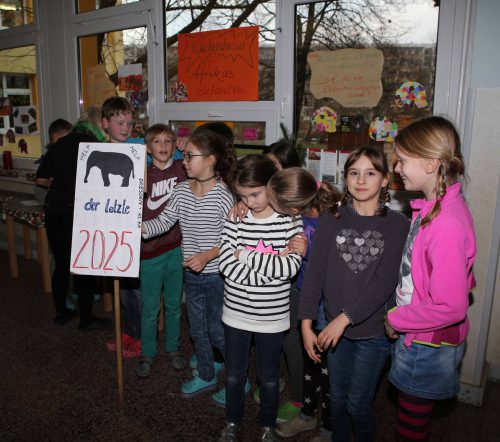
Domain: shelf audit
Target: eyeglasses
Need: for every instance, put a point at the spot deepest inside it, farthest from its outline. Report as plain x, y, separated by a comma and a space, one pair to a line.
189, 156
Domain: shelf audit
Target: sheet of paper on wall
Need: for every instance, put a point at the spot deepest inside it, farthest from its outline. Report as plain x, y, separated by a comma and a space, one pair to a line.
5, 107
220, 65
411, 94
383, 129
130, 77
323, 164
324, 119
350, 76
99, 86
24, 119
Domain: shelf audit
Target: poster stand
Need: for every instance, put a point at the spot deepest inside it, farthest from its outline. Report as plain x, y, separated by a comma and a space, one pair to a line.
118, 335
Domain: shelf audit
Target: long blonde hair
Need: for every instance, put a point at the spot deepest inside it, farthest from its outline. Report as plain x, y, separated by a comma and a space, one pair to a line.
434, 138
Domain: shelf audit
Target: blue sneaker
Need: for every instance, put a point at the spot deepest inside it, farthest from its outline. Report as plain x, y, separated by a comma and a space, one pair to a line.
193, 362
196, 386
218, 367
220, 397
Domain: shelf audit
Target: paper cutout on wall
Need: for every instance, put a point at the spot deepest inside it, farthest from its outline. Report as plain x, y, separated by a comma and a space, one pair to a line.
130, 77
410, 93
383, 129
350, 76
220, 65
324, 119
138, 99
24, 119
99, 86
5, 107
250, 133
178, 92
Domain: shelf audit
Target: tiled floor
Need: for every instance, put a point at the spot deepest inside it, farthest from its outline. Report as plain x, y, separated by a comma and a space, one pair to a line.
59, 384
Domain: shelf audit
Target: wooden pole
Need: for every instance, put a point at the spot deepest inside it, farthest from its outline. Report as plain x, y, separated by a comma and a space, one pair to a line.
118, 333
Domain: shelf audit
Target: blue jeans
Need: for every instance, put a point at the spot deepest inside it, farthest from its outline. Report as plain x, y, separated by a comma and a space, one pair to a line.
268, 353
354, 367
205, 297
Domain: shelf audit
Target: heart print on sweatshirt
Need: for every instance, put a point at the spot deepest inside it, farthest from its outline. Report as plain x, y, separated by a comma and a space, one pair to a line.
358, 250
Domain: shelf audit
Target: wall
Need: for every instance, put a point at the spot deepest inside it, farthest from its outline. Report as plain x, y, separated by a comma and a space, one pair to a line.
483, 137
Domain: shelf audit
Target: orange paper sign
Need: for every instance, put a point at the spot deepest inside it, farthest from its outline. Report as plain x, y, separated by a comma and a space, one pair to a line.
220, 65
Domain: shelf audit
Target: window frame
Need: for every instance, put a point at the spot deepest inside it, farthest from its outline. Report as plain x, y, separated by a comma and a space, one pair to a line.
450, 58
237, 111
29, 35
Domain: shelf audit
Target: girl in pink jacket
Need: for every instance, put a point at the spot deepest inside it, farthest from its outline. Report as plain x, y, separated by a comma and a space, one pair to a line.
435, 278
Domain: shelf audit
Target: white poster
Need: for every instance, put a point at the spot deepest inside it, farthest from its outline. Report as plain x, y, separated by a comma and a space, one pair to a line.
322, 163
108, 209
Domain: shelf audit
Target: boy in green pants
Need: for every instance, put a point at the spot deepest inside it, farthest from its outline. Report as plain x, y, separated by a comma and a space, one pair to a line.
161, 258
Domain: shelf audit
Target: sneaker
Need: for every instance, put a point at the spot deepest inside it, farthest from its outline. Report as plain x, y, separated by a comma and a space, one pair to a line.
268, 434
132, 349
288, 411
193, 361
144, 368
218, 367
220, 397
256, 393
196, 386
176, 359
230, 433
126, 340
295, 426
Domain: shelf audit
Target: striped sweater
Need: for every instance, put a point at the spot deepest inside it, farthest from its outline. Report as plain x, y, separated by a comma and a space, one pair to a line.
201, 219
257, 285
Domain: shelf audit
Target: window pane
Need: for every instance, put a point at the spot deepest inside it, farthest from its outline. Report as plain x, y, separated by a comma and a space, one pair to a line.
248, 136
116, 63
363, 70
92, 5
183, 17
15, 13
17, 81
19, 119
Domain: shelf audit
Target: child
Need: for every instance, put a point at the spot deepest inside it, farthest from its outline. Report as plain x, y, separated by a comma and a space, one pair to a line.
354, 263
200, 205
430, 321
117, 116
161, 257
57, 129
256, 293
283, 154
314, 376
58, 169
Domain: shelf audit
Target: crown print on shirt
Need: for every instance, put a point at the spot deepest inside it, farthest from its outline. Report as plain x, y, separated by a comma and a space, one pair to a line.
261, 247
358, 250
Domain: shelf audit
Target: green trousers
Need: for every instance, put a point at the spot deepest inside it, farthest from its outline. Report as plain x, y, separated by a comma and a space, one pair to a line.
164, 271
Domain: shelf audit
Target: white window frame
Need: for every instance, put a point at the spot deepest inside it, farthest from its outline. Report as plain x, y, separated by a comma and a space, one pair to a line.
451, 72
132, 15
236, 111
30, 35
58, 67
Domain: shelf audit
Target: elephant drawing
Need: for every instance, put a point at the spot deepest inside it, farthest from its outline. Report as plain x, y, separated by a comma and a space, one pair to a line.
113, 163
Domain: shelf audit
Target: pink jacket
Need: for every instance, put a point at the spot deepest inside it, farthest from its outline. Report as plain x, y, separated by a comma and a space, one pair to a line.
441, 268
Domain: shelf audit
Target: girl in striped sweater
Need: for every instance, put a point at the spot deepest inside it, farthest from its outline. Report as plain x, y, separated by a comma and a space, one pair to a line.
258, 262
200, 205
